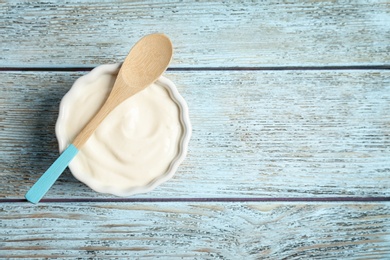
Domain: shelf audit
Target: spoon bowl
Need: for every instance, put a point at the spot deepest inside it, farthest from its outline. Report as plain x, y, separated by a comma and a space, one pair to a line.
144, 64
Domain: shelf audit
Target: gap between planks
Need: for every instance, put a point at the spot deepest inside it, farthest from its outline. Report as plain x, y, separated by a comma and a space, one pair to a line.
220, 199
273, 68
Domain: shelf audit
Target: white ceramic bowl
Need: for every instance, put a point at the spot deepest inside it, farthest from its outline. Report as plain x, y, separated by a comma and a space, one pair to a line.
64, 138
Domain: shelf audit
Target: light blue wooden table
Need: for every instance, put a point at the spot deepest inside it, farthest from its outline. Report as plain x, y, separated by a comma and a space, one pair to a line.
290, 152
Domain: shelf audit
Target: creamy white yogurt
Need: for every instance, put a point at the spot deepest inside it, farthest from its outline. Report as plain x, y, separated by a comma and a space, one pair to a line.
134, 145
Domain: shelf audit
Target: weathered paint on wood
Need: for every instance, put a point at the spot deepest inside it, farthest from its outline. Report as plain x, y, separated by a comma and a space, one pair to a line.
205, 34
196, 230
290, 133
255, 134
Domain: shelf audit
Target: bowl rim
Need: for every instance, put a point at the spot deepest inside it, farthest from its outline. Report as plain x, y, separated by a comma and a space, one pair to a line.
174, 165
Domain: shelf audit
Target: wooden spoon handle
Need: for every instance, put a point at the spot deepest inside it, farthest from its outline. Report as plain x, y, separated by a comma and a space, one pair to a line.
112, 101
39, 189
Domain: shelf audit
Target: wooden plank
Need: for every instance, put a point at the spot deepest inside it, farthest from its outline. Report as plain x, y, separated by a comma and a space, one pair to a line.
214, 34
196, 230
255, 134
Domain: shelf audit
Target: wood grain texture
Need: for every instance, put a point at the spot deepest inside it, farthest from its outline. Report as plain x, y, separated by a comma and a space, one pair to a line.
255, 134
196, 230
274, 134
205, 34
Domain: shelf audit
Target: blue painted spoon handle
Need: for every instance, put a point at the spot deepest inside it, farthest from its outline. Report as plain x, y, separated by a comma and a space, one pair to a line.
39, 189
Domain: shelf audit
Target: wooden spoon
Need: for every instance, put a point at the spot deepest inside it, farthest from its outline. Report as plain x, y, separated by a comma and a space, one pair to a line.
144, 64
